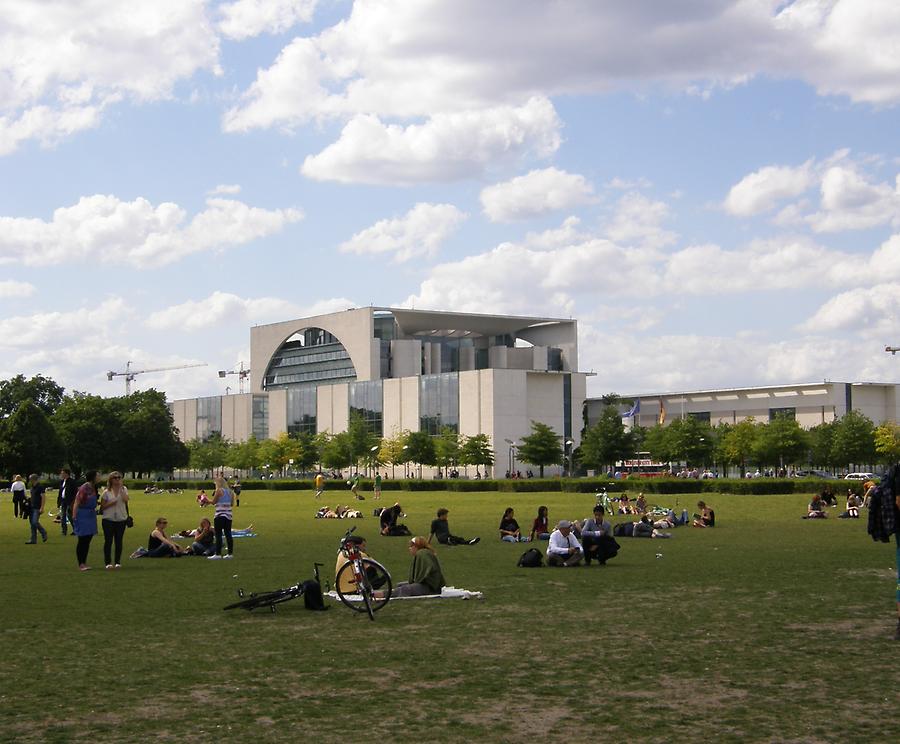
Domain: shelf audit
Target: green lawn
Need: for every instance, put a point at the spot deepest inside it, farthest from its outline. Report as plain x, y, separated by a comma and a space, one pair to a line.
766, 628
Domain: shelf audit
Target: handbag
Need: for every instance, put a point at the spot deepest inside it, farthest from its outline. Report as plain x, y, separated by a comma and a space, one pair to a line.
129, 522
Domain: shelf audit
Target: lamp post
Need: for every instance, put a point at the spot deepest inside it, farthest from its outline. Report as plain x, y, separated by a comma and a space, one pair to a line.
511, 457
405, 461
372, 451
570, 447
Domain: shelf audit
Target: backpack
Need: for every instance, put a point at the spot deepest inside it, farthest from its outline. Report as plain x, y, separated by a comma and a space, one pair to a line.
531, 558
312, 596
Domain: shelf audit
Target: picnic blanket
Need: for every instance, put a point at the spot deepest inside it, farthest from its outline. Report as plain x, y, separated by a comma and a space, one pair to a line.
448, 592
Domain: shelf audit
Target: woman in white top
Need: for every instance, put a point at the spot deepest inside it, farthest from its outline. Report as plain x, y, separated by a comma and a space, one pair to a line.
18, 494
222, 499
114, 508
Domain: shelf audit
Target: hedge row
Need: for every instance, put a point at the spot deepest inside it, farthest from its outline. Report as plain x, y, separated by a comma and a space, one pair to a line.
663, 486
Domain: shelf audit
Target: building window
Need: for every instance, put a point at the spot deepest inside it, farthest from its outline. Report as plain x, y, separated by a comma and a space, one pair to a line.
301, 410
699, 416
209, 417
790, 413
309, 356
260, 417
439, 402
367, 402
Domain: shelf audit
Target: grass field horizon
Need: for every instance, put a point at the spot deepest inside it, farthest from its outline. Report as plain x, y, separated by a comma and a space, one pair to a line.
766, 628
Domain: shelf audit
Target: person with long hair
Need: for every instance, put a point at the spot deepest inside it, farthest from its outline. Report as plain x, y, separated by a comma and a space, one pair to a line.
84, 517
425, 574
114, 508
18, 497
159, 544
540, 528
509, 527
222, 499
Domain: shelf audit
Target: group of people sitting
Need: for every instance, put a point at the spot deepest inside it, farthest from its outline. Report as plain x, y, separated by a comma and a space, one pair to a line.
203, 541
816, 507
426, 577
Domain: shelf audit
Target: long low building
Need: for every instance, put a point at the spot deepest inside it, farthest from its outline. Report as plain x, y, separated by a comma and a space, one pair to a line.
810, 404
403, 370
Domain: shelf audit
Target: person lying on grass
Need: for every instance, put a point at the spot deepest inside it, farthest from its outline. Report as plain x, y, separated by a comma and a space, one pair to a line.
425, 573
440, 528
159, 544
816, 508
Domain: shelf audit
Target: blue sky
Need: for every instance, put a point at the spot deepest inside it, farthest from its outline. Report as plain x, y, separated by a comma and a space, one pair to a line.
710, 187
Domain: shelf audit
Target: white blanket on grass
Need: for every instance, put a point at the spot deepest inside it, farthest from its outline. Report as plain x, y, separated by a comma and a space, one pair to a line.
448, 592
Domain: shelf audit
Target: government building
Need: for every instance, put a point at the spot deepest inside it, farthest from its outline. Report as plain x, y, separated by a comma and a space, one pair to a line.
403, 370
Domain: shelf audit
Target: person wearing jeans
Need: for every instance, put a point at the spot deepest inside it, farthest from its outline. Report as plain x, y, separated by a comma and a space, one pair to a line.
223, 499
37, 508
114, 506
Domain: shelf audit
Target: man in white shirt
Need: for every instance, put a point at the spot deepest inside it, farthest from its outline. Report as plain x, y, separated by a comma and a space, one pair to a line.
564, 548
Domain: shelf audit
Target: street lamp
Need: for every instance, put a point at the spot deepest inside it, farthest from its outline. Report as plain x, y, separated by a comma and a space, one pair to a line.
570, 445
372, 450
405, 461
511, 457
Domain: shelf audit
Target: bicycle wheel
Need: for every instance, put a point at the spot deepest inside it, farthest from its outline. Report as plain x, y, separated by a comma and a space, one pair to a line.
372, 576
261, 600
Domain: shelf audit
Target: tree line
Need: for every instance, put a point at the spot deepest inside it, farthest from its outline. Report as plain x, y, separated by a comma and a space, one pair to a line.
43, 429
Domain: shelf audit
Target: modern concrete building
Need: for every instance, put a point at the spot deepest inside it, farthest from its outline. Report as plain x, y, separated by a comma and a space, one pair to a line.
402, 370
809, 403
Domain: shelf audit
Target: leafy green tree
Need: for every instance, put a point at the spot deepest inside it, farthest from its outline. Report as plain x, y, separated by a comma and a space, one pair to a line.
304, 451
887, 442
336, 452
821, 444
781, 442
391, 450
210, 455
361, 438
691, 440
148, 437
606, 441
658, 442
446, 448
420, 448
243, 456
854, 439
90, 432
476, 450
28, 442
541, 448
738, 443
40, 390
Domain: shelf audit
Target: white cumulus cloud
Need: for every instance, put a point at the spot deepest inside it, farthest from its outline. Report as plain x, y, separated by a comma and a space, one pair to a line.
534, 194
9, 288
420, 232
762, 190
243, 19
62, 65
446, 147
107, 229
870, 312
852, 202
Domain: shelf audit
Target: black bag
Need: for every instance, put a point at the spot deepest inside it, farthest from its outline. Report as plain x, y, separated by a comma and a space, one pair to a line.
531, 558
312, 595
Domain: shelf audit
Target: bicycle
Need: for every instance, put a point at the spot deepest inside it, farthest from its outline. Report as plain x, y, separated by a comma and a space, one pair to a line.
366, 576
270, 599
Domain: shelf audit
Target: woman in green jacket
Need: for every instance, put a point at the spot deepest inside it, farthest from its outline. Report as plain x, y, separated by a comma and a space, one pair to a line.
425, 575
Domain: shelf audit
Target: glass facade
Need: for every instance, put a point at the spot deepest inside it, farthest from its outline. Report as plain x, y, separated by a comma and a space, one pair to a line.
367, 401
700, 416
209, 417
439, 402
310, 356
301, 410
260, 414
790, 413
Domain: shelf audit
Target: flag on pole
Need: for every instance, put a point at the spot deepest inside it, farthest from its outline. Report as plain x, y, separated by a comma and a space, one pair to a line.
635, 410
662, 412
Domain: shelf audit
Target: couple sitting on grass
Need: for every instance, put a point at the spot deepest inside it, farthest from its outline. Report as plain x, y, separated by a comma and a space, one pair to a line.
596, 543
160, 545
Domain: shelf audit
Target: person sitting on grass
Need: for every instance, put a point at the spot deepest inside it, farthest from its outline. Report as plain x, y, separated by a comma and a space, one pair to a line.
564, 548
204, 539
596, 538
828, 497
816, 508
159, 544
640, 506
625, 506
425, 573
509, 527
347, 584
540, 528
706, 517
202, 498
852, 507
388, 519
440, 528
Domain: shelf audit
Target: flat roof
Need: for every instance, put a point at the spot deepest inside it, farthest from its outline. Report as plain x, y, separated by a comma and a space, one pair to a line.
423, 322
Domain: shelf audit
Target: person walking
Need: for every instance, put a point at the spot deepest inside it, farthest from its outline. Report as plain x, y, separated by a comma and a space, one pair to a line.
354, 487
377, 486
114, 507
37, 508
320, 484
84, 517
223, 499
18, 496
67, 491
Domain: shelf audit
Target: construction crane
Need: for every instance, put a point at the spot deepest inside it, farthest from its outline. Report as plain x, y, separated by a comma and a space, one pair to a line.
892, 349
129, 374
241, 373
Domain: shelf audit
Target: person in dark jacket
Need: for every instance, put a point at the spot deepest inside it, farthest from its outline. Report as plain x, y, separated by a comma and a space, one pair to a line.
65, 499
